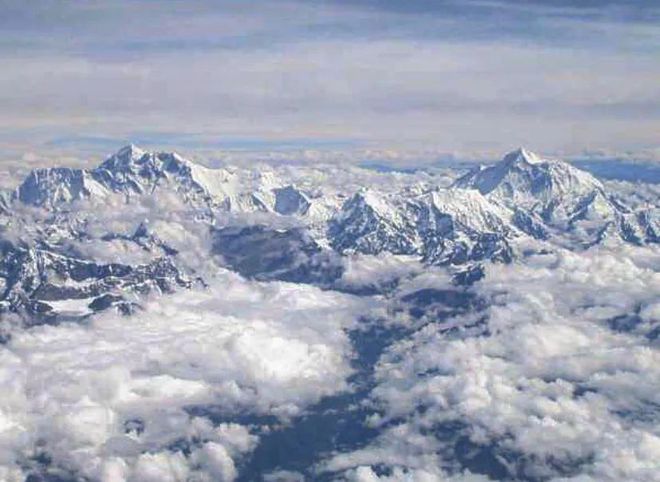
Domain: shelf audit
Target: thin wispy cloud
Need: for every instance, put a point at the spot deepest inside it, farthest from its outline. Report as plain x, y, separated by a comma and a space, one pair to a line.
460, 77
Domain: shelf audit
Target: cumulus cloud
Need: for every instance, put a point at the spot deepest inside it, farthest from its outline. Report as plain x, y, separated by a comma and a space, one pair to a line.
112, 400
553, 388
367, 474
377, 272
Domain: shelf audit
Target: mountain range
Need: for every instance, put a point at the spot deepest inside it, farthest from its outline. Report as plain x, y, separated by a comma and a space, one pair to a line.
264, 225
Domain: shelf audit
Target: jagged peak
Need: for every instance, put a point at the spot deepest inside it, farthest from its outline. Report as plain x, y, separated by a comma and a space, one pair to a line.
132, 154
372, 201
129, 153
131, 150
521, 155
370, 198
124, 157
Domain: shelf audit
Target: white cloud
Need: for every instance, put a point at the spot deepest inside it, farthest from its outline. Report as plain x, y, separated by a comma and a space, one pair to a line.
550, 385
106, 400
378, 271
366, 474
300, 73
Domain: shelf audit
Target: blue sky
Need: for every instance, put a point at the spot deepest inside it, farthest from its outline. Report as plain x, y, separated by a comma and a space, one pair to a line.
412, 78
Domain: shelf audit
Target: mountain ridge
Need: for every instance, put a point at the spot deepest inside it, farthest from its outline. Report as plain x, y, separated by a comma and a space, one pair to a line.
481, 217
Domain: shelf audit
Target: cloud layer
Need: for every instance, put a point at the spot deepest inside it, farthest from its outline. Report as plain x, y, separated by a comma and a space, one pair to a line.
462, 77
114, 400
556, 386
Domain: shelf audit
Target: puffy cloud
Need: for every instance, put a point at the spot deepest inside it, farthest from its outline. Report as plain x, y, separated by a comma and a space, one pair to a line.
126, 398
367, 474
365, 272
552, 387
553, 378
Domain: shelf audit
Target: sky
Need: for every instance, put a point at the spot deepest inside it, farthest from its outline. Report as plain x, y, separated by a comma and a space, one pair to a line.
404, 81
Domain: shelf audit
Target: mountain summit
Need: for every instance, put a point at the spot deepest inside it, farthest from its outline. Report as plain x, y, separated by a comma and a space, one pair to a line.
522, 155
132, 172
124, 157
554, 196
526, 180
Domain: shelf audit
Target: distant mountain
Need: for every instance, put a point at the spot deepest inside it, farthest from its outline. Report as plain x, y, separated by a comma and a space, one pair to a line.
551, 197
134, 172
387, 351
283, 232
41, 286
486, 209
442, 226
525, 180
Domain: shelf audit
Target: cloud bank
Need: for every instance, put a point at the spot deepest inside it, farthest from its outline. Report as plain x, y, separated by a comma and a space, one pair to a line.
446, 77
557, 385
130, 398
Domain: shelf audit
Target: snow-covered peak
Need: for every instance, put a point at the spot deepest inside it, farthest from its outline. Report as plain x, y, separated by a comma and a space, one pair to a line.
443, 226
50, 187
123, 158
556, 194
132, 171
526, 180
367, 198
470, 209
130, 150
521, 156
131, 159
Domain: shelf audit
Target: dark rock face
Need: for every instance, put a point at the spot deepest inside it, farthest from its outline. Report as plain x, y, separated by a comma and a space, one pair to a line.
468, 276
286, 255
650, 221
35, 280
530, 224
363, 227
477, 247
439, 231
289, 200
144, 238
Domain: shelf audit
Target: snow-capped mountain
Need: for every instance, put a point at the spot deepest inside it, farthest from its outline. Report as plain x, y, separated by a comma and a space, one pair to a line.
553, 197
217, 286
44, 286
371, 223
460, 226
50, 268
54, 186
442, 226
53, 262
522, 179
133, 172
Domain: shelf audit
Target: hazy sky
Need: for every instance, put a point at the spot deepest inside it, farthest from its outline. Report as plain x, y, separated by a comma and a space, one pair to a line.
463, 77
